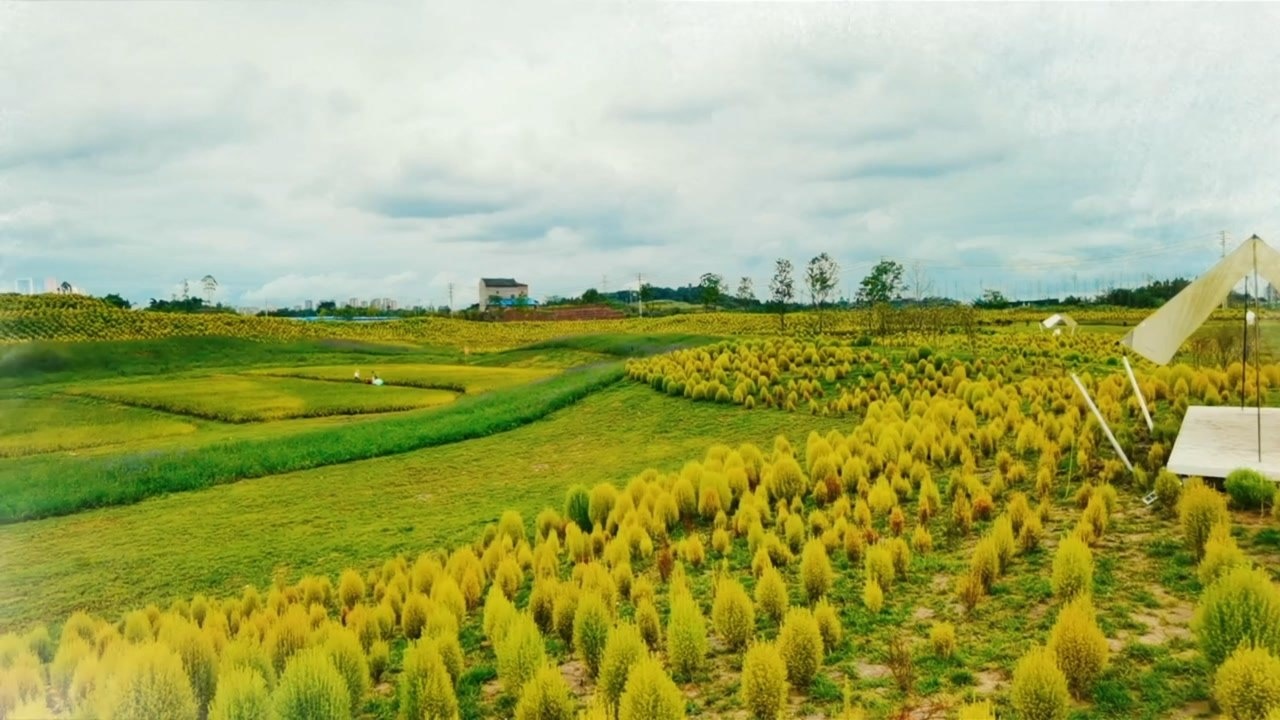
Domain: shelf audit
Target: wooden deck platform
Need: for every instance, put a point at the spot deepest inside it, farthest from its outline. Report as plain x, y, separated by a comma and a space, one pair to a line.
1213, 441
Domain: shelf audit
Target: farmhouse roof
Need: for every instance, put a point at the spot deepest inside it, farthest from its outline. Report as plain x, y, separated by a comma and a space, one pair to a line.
1159, 336
500, 282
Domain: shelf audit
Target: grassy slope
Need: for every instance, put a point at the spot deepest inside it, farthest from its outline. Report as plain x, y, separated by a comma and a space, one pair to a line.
323, 520
55, 489
243, 398
459, 378
41, 425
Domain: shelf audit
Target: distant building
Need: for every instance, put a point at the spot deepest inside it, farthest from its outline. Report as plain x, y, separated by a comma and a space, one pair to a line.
353, 302
308, 306
504, 290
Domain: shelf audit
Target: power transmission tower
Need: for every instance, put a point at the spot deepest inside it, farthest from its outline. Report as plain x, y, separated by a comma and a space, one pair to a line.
640, 293
450, 298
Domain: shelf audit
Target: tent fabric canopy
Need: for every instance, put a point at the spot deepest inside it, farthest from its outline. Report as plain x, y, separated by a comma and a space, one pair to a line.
1058, 318
1158, 337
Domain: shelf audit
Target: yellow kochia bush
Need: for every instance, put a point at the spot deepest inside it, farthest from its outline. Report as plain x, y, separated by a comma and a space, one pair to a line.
732, 614
800, 642
624, 648
763, 684
1072, 568
686, 637
815, 570
1079, 645
1247, 685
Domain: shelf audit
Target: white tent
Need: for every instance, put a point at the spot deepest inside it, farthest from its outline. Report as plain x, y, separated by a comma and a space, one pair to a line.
1159, 336
1059, 319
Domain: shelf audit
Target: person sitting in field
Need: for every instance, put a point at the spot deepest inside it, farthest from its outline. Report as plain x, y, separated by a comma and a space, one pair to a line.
357, 376
376, 380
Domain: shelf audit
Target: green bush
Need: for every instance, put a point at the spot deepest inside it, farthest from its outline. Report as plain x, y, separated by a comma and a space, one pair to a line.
1072, 568
545, 697
763, 684
147, 681
242, 695
520, 654
1079, 645
686, 637
1247, 684
311, 687
732, 614
624, 648
1241, 606
1039, 689
800, 642
591, 625
650, 694
1248, 489
39, 643
1200, 508
425, 687
577, 507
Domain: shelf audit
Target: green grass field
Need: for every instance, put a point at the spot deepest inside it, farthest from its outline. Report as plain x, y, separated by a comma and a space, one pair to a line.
353, 514
31, 426
458, 378
241, 398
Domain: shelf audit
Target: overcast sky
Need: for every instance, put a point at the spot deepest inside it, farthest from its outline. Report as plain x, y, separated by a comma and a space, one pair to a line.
328, 150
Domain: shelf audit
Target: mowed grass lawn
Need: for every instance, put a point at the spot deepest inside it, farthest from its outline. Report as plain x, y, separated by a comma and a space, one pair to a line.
458, 377
31, 426
244, 398
356, 514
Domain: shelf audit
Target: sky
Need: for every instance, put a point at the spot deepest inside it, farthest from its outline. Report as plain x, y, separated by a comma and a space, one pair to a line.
300, 151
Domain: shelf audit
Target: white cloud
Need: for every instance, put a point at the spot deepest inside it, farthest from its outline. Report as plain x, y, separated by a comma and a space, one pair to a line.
324, 153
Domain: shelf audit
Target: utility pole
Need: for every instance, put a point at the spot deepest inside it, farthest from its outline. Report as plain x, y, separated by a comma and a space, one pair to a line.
1223, 240
450, 298
640, 293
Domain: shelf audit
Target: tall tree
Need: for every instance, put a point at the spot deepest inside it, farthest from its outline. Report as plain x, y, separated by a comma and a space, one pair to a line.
746, 291
709, 289
782, 289
921, 285
883, 284
822, 276
116, 300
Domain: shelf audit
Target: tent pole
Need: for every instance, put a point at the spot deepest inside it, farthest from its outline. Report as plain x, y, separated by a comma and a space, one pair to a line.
1101, 421
1138, 391
1257, 350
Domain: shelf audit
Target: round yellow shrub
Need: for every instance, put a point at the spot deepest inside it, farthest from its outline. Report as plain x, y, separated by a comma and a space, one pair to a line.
591, 625
350, 588
624, 648
311, 687
763, 684
942, 635
1072, 568
872, 595
829, 624
815, 570
800, 642
771, 595
545, 697
242, 695
1199, 509
344, 651
650, 694
1039, 689
1247, 684
686, 637
1241, 607
1221, 553
520, 654
1079, 645
732, 614
648, 623
425, 689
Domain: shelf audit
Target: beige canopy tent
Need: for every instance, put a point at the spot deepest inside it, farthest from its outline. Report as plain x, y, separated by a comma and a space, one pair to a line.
1059, 319
1159, 336
1213, 440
